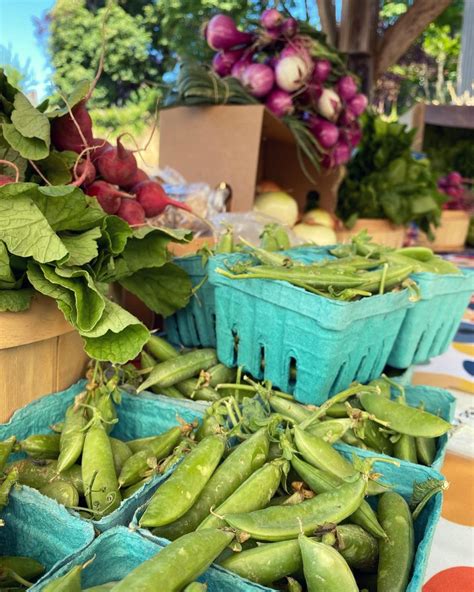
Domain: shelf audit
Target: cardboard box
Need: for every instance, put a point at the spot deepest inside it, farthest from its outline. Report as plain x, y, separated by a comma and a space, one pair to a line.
240, 145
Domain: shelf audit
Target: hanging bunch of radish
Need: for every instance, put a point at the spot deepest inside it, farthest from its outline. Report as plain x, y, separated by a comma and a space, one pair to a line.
288, 66
109, 172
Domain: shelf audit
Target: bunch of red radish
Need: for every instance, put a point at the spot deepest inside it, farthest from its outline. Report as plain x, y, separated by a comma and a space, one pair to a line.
281, 68
452, 185
109, 173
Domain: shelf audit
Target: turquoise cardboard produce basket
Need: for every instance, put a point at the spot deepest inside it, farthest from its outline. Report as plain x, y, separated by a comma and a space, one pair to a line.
430, 326
118, 551
274, 329
40, 528
194, 325
139, 416
435, 400
402, 480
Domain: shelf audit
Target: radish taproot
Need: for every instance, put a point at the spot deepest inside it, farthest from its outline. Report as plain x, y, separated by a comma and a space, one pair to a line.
131, 211
65, 134
137, 178
5, 180
107, 195
84, 172
117, 165
152, 197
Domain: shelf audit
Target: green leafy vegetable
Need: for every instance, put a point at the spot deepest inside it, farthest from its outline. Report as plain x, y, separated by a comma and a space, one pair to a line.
83, 247
15, 300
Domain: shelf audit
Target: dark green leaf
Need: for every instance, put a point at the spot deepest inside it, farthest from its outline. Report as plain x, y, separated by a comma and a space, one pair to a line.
55, 168
29, 148
29, 122
82, 247
8, 153
15, 300
116, 233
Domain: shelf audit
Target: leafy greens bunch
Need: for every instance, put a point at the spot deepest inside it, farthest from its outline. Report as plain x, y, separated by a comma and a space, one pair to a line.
385, 181
59, 242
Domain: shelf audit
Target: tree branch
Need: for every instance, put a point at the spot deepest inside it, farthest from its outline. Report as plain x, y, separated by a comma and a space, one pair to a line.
398, 38
327, 16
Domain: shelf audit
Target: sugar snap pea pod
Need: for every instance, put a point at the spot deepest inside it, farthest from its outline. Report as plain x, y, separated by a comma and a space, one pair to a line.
383, 385
289, 408
220, 374
129, 491
41, 446
254, 493
72, 437
325, 570
105, 406
137, 465
332, 430
320, 482
71, 582
146, 361
160, 348
267, 563
63, 492
341, 397
323, 456
425, 450
195, 587
27, 568
225, 244
179, 492
236, 468
404, 419
178, 369
293, 585
191, 389
350, 438
338, 410
375, 439
38, 473
139, 443
178, 564
405, 448
278, 523
121, 452
6, 485
98, 471
396, 552
6, 448
101, 587
358, 547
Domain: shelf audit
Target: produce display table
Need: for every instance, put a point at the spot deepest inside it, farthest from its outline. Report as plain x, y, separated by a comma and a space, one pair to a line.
451, 564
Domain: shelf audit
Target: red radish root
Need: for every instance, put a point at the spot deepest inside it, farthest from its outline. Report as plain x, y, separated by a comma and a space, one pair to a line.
138, 177
73, 131
132, 212
5, 179
84, 173
154, 200
107, 195
117, 165
98, 147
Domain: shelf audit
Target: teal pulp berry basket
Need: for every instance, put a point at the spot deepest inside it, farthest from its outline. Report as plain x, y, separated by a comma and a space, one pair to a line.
303, 343
438, 401
430, 326
139, 416
38, 527
194, 325
114, 554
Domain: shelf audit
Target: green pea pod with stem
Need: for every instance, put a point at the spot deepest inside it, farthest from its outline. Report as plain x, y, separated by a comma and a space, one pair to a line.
16, 570
176, 370
192, 389
325, 569
178, 564
358, 547
139, 443
195, 587
38, 473
247, 458
321, 482
337, 411
137, 465
179, 492
72, 437
375, 439
383, 385
425, 450
98, 471
105, 406
279, 523
101, 587
160, 348
405, 448
266, 563
41, 446
254, 493
289, 408
147, 361
225, 243
220, 374
63, 492
323, 456
121, 453
293, 585
6, 485
6, 448
396, 552
350, 438
404, 419
332, 430
129, 491
71, 582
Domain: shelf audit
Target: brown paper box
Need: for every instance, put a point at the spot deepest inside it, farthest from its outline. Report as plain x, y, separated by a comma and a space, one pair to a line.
240, 145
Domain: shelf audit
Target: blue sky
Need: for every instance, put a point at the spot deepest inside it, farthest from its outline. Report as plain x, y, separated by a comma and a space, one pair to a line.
17, 30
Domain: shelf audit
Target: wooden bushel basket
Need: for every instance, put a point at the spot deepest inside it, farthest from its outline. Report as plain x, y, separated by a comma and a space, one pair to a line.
381, 231
40, 353
451, 234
